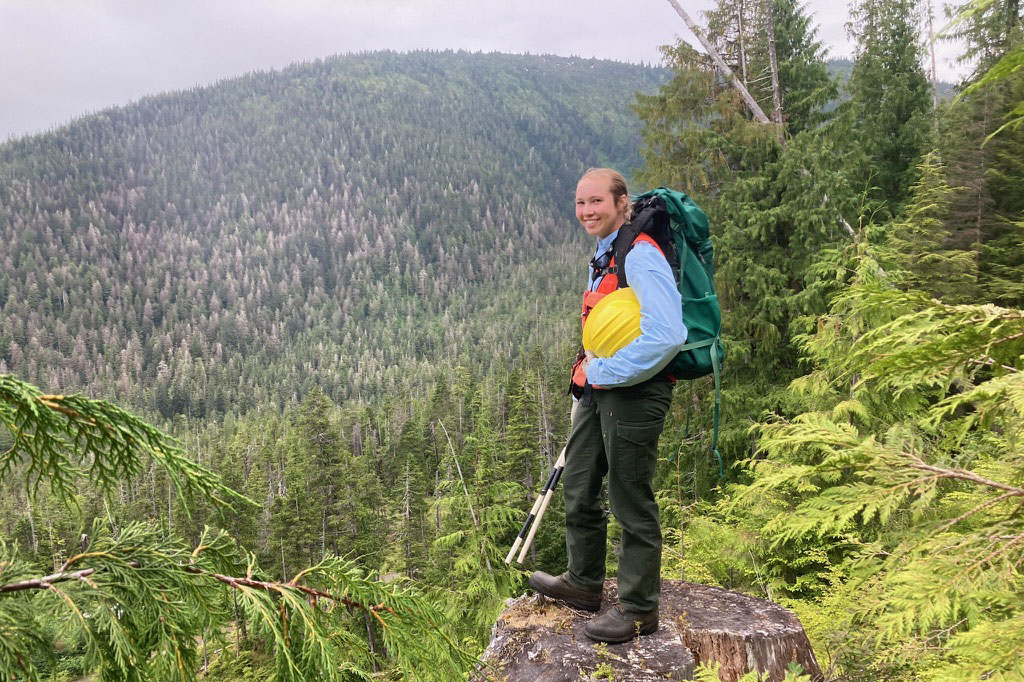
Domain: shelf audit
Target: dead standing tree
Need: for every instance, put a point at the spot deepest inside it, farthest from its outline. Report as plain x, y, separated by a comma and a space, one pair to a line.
752, 105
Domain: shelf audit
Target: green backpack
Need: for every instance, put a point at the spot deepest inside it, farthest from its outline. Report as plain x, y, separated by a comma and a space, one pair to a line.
682, 231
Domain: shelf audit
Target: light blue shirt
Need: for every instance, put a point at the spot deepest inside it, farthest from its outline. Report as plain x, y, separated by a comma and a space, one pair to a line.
662, 331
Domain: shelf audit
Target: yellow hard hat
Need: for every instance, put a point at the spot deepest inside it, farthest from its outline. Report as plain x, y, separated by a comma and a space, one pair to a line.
613, 323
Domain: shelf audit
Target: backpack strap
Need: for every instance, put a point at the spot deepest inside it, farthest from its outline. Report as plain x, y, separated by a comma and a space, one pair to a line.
717, 367
650, 218
620, 247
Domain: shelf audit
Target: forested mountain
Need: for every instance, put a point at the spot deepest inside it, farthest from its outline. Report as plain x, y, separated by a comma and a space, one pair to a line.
353, 223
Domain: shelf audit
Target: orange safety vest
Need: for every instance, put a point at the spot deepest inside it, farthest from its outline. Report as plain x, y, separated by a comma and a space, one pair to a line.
609, 283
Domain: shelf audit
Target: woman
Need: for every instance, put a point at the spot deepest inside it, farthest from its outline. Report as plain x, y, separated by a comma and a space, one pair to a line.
622, 402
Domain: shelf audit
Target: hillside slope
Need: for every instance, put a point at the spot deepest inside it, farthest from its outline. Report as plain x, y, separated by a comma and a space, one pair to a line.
354, 222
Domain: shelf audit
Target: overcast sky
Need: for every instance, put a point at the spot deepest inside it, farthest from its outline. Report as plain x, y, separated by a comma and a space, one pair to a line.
62, 58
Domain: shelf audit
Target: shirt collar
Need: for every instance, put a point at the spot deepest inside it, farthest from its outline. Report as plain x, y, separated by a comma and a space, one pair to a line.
606, 243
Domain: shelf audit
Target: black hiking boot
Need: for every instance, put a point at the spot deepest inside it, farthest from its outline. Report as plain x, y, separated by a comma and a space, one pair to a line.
616, 625
559, 587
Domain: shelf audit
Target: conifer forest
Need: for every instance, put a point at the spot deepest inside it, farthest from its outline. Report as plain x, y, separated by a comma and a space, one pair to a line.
283, 359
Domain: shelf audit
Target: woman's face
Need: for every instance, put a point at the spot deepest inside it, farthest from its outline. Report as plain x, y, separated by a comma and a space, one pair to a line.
596, 208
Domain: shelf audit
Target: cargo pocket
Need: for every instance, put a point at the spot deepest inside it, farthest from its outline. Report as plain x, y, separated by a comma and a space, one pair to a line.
637, 444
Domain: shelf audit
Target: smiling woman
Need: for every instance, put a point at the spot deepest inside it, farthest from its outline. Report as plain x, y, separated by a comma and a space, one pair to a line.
602, 205
622, 403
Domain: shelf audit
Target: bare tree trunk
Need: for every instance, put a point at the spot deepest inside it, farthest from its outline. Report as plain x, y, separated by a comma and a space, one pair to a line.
469, 500
752, 104
370, 639
408, 521
773, 59
170, 509
544, 426
33, 539
743, 44
931, 47
54, 552
437, 507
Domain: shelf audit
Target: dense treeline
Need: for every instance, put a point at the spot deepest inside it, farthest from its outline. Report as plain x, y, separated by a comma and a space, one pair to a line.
352, 223
869, 262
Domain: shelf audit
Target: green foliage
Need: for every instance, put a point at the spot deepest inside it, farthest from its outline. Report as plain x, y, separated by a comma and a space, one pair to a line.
1003, 264
773, 206
65, 440
879, 502
141, 600
297, 293
362, 223
1010, 64
808, 87
983, 147
234, 667
920, 238
708, 672
890, 97
914, 464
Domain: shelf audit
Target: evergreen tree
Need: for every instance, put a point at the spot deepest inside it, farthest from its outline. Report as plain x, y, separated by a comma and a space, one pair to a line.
985, 143
475, 515
920, 240
807, 88
410, 491
889, 97
907, 462
353, 223
773, 205
324, 491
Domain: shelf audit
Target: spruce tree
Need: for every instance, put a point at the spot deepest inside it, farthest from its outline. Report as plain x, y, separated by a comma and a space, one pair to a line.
985, 143
890, 98
807, 88
476, 508
774, 204
920, 240
410, 491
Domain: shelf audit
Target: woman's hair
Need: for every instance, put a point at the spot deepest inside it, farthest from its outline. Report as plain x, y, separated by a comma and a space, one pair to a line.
616, 184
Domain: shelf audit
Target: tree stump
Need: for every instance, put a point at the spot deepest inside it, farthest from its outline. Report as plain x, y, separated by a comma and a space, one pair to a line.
539, 640
739, 632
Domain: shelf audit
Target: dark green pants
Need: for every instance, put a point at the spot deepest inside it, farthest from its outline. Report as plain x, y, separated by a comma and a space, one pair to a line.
616, 434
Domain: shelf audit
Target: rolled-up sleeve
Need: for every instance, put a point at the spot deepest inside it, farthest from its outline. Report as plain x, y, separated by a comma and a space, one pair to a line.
662, 331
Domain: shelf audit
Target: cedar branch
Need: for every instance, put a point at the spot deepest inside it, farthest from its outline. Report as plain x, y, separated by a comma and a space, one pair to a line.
963, 475
46, 582
976, 509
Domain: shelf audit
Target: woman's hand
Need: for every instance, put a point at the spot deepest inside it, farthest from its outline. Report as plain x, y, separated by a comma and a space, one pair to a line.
586, 360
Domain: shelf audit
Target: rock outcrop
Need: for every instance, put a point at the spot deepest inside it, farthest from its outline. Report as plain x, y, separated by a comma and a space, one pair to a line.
539, 640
